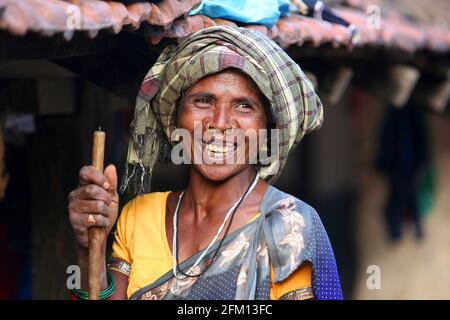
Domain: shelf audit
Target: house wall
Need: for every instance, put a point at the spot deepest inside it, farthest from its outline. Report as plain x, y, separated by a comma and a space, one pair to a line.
410, 268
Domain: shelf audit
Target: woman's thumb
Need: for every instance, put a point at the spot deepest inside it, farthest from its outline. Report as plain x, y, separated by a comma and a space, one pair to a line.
111, 178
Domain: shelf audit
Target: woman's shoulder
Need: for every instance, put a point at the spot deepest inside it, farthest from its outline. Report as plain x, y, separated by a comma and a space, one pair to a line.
289, 221
144, 204
292, 231
279, 206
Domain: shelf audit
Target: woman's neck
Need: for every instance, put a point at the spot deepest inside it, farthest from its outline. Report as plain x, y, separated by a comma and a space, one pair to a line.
206, 197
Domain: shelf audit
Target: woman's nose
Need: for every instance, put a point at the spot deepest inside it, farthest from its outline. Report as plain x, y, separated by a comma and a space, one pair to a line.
222, 117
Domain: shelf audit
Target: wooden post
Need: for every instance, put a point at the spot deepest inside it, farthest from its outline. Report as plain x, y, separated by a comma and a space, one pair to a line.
440, 96
403, 79
95, 233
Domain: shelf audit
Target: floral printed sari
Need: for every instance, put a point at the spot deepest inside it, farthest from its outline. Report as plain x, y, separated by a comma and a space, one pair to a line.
287, 233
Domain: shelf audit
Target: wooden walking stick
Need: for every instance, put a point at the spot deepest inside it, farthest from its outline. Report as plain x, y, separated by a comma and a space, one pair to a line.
95, 233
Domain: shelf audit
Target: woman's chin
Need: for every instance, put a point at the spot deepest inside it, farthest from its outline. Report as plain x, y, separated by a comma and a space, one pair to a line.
216, 172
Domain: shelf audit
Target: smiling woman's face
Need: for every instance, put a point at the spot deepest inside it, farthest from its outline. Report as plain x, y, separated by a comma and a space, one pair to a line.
218, 103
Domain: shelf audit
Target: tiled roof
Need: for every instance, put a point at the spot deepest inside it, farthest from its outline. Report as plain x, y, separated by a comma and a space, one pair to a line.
169, 19
48, 17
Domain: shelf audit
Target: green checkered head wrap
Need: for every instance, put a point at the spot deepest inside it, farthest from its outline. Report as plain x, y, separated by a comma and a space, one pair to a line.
295, 107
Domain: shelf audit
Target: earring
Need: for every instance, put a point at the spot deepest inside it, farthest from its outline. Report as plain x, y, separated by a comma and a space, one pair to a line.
230, 130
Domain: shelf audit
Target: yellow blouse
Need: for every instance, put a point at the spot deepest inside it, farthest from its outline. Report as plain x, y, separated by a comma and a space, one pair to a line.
141, 241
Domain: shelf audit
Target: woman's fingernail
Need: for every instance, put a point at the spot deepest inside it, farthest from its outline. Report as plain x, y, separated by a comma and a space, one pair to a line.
106, 185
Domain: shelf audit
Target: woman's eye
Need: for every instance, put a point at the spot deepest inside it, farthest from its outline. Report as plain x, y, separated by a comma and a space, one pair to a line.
244, 106
203, 101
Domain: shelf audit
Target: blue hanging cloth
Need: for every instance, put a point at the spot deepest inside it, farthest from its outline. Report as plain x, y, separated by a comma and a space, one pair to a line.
403, 157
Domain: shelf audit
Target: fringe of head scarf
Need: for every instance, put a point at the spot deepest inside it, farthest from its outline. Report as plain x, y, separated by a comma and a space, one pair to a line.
295, 107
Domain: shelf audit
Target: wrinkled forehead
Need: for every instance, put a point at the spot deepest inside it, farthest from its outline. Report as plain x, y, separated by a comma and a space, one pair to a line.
227, 78
219, 59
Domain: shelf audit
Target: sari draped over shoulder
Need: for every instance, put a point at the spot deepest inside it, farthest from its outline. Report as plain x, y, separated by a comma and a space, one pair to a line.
287, 233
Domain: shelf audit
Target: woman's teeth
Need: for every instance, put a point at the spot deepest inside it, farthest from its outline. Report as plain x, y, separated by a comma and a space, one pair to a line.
219, 150
214, 148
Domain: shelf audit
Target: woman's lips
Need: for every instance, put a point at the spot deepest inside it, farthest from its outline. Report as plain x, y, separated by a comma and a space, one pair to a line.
218, 151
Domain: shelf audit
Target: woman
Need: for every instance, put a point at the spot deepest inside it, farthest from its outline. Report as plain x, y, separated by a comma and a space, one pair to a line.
229, 234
